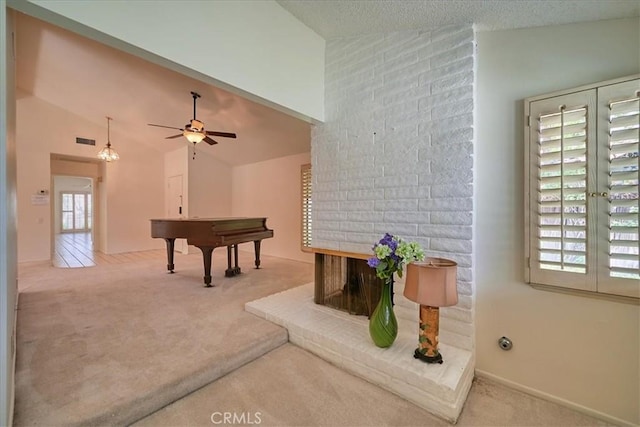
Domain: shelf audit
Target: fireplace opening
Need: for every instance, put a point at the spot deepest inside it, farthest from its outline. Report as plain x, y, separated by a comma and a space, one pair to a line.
345, 282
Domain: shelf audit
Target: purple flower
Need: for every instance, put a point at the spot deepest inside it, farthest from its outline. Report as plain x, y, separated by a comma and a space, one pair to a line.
392, 254
389, 241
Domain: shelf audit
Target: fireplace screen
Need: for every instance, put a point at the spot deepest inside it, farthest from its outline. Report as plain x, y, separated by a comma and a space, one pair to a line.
346, 284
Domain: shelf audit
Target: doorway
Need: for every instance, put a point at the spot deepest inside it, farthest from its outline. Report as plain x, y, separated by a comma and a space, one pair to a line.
73, 222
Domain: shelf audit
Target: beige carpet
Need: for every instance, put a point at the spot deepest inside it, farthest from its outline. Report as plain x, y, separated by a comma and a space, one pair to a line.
111, 344
291, 387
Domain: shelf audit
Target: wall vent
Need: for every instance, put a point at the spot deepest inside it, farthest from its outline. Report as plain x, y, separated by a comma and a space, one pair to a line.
85, 141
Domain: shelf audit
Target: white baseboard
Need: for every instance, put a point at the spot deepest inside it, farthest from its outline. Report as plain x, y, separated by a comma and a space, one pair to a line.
555, 399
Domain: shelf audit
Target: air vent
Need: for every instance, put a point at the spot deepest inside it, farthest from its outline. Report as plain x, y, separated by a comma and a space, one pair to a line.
85, 141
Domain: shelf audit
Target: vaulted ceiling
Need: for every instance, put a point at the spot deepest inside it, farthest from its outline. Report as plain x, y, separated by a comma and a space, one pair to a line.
93, 81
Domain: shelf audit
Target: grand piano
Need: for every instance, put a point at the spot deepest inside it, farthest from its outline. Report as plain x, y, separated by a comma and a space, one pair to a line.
210, 233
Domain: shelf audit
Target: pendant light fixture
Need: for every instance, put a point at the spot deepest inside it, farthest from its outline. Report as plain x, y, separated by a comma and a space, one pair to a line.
108, 154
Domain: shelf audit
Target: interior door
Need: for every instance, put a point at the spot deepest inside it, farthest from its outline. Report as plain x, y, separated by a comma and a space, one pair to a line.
174, 206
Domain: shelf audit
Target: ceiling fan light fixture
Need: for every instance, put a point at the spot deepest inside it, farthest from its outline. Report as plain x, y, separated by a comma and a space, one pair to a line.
196, 125
193, 136
108, 154
194, 130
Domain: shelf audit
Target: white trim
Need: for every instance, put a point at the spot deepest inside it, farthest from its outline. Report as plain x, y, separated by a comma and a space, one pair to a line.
554, 399
581, 88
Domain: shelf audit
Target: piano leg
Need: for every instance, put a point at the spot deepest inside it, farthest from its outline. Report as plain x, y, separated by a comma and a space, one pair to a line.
170, 246
232, 271
229, 271
256, 246
235, 256
206, 257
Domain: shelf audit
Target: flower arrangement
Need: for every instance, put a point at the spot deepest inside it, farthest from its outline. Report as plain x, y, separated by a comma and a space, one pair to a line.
391, 254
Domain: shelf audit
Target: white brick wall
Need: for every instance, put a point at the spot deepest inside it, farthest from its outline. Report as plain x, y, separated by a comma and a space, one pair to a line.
396, 151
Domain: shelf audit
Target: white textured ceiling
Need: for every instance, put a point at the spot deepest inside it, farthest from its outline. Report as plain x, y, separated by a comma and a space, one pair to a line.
340, 18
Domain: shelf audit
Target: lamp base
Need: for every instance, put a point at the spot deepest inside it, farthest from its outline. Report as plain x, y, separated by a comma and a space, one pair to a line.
427, 350
427, 359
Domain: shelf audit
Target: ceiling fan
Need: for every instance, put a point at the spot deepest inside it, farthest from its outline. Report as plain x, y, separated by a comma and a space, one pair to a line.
194, 130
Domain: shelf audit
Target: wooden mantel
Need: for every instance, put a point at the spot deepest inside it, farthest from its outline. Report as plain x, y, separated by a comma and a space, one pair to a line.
341, 253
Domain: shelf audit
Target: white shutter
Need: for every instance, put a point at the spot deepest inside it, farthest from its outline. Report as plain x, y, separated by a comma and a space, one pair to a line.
619, 133
560, 219
582, 183
305, 173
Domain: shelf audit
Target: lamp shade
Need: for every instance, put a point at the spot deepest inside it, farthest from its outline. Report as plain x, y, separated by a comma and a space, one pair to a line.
432, 282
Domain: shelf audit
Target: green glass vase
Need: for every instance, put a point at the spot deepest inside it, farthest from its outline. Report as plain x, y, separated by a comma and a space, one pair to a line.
383, 326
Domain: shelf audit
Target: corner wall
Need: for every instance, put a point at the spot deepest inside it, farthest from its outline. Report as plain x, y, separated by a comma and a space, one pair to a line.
396, 152
273, 189
576, 350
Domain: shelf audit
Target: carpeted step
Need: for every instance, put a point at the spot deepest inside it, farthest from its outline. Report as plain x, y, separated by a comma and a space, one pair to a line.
111, 344
220, 364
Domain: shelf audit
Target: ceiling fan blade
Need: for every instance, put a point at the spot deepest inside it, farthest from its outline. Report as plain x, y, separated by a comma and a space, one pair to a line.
209, 140
161, 126
174, 136
222, 134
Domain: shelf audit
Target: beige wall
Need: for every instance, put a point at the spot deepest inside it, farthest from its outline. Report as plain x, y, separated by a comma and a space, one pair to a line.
134, 193
209, 185
131, 190
577, 350
272, 189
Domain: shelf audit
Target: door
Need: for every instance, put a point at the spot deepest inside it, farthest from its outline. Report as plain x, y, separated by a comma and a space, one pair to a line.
174, 206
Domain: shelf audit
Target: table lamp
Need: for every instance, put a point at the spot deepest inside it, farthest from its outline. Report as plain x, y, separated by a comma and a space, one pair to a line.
432, 284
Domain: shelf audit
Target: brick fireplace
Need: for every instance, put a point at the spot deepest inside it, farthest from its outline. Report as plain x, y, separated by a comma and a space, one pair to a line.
396, 152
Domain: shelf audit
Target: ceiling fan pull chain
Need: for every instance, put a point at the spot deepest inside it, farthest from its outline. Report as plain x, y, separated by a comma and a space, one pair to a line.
194, 151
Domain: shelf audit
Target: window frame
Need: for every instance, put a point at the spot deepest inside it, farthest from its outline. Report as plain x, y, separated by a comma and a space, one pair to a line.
597, 225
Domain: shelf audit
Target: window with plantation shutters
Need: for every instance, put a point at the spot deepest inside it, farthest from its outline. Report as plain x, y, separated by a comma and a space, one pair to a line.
305, 175
581, 179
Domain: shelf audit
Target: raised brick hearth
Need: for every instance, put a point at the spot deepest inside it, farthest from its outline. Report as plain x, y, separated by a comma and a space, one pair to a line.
343, 340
